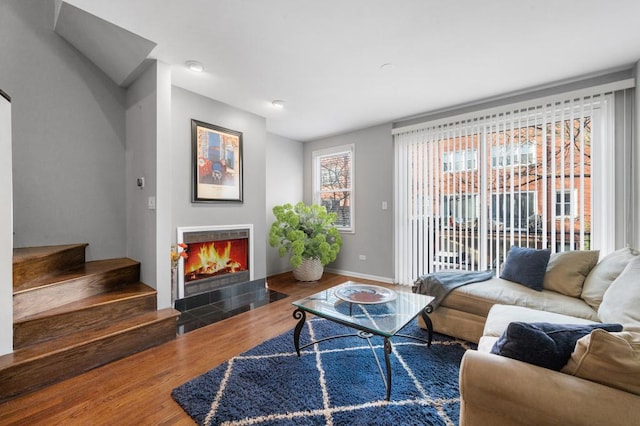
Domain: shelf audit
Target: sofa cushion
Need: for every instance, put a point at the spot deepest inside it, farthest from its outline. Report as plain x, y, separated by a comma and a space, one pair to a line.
621, 301
567, 271
526, 266
603, 274
544, 344
479, 298
486, 343
501, 316
611, 359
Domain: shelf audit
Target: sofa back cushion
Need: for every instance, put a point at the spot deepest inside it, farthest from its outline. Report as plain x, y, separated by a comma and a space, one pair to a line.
526, 266
567, 271
603, 274
621, 301
611, 359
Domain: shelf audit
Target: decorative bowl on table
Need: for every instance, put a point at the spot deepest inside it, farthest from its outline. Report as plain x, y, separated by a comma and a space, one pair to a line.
365, 294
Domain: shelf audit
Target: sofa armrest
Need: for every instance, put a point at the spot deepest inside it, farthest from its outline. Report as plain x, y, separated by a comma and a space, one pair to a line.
499, 390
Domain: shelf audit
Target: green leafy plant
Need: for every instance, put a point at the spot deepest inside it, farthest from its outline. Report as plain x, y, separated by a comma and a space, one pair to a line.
306, 232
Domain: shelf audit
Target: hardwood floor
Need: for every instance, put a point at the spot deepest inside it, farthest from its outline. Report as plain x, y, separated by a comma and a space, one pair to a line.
137, 389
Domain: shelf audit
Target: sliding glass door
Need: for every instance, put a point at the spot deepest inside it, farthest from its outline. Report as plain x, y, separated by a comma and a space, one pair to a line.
469, 188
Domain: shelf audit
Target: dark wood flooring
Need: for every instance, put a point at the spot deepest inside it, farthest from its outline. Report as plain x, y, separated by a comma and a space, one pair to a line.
136, 390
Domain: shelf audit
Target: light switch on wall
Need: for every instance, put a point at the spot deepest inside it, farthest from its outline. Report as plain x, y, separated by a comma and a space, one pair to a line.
384, 205
151, 203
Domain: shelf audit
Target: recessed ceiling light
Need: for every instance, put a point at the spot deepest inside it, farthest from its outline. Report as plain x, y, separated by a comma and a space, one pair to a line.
195, 66
279, 104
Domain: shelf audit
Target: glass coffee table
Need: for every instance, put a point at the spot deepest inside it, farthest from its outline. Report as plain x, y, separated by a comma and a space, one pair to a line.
336, 304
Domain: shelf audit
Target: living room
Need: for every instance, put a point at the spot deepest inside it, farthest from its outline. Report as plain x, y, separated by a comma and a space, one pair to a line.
80, 140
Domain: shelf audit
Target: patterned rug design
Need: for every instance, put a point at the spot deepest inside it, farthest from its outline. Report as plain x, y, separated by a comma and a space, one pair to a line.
335, 382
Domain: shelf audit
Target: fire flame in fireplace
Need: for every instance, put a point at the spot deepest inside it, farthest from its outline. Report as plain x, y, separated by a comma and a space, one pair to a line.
214, 260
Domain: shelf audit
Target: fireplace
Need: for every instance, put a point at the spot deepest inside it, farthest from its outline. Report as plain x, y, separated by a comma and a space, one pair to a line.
218, 256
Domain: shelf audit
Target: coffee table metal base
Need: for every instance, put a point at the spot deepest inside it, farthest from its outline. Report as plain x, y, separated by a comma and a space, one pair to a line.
301, 316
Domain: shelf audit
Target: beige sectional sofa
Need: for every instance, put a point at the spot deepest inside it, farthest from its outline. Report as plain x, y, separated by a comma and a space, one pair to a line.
601, 382
464, 311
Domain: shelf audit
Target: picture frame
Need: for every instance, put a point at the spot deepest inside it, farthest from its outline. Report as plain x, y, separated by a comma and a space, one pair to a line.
216, 163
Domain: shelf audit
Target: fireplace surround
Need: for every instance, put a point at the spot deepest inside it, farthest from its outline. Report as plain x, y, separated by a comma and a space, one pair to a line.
217, 256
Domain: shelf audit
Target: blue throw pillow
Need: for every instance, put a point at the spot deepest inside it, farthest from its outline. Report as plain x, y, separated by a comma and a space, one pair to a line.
526, 266
544, 344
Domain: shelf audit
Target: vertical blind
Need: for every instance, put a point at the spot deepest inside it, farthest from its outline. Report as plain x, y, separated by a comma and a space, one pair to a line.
468, 188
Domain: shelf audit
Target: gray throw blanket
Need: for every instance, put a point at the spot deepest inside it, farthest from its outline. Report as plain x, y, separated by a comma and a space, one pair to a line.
439, 284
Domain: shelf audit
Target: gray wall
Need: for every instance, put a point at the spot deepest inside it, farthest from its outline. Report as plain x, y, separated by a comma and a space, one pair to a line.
68, 137
284, 167
186, 106
149, 156
373, 236
141, 162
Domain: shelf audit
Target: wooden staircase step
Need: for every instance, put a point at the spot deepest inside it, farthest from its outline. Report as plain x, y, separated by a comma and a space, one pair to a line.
88, 269
74, 284
45, 363
71, 316
32, 263
94, 311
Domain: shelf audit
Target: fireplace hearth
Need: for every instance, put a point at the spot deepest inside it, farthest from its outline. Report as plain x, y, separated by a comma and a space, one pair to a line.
217, 256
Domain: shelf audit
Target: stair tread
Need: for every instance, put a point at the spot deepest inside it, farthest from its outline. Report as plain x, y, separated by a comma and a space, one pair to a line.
117, 294
22, 254
84, 337
86, 269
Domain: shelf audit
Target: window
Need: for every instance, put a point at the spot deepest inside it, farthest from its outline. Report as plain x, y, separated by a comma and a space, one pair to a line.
333, 183
565, 204
521, 154
461, 209
458, 161
468, 188
515, 210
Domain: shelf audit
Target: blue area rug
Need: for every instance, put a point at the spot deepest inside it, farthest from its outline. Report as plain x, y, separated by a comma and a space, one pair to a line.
336, 382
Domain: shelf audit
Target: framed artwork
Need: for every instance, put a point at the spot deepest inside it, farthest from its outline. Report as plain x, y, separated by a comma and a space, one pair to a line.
217, 163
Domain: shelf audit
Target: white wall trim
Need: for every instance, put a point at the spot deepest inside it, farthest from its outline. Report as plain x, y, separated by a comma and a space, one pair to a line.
6, 229
386, 280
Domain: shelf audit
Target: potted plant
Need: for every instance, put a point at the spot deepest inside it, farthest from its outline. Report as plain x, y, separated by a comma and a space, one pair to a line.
309, 235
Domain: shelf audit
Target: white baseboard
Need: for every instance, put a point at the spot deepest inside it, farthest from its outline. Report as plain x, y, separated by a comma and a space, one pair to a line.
386, 280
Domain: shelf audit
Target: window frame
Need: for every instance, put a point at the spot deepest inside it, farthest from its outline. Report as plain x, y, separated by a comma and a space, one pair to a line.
573, 205
316, 157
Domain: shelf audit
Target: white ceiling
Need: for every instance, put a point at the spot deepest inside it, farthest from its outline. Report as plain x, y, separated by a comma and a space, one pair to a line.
324, 57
